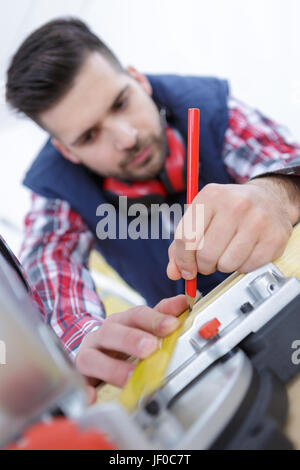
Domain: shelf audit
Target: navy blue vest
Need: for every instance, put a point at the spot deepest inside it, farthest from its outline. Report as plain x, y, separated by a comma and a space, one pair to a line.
142, 263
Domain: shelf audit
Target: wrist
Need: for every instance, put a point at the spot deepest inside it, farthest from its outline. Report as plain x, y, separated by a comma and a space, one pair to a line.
287, 191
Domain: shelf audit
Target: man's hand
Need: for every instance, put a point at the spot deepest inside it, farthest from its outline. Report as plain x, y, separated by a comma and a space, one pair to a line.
135, 332
245, 227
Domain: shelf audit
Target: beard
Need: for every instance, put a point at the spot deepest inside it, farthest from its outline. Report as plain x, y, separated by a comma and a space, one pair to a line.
152, 165
149, 168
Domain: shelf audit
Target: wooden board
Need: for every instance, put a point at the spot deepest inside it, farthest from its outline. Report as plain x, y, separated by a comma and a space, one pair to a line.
289, 265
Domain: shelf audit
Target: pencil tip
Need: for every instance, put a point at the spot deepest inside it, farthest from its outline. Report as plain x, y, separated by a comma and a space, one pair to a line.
190, 301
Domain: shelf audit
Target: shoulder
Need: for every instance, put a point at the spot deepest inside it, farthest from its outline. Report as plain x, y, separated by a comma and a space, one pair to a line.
185, 86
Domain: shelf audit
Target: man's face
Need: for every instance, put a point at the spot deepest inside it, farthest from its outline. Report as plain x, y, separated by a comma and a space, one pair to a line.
109, 122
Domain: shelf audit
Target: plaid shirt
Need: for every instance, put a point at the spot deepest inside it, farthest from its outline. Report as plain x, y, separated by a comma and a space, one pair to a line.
57, 242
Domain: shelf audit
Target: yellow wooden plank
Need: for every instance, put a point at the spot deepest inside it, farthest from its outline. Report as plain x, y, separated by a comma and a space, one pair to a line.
148, 375
289, 263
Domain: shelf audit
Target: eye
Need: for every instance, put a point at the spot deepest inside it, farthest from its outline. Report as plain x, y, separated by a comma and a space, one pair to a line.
121, 104
90, 136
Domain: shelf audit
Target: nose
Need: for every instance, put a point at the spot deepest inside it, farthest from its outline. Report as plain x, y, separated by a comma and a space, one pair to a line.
125, 135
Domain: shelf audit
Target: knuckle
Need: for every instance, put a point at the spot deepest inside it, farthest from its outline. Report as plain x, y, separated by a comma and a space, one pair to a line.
211, 190
229, 261
224, 266
185, 239
137, 312
206, 270
161, 305
205, 259
260, 219
132, 338
185, 267
133, 314
156, 321
182, 262
241, 205
248, 267
104, 332
82, 360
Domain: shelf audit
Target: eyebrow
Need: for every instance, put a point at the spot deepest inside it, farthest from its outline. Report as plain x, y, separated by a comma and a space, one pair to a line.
92, 127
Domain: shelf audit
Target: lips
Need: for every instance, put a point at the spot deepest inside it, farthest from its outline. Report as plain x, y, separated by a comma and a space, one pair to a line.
141, 157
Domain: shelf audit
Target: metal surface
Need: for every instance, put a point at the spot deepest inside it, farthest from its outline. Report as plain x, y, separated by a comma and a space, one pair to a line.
197, 417
226, 308
201, 393
266, 290
38, 377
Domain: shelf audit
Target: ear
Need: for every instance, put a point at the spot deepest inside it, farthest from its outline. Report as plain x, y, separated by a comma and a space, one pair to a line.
64, 151
141, 79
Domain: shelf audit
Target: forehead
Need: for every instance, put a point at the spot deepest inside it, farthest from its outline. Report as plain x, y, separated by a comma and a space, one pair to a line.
94, 90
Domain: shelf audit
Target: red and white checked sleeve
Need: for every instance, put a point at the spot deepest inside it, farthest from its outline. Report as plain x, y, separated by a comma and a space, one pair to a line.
255, 145
54, 255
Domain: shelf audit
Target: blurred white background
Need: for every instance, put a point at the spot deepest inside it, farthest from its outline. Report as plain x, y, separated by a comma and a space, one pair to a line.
253, 44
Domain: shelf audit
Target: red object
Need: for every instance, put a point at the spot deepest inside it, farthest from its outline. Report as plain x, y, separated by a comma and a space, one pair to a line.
134, 190
174, 174
61, 434
174, 167
210, 330
55, 260
193, 176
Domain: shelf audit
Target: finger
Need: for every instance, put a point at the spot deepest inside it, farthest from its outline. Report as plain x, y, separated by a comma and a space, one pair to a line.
149, 320
254, 245
96, 364
266, 250
124, 339
243, 243
91, 395
237, 252
173, 272
173, 306
217, 237
189, 234
185, 254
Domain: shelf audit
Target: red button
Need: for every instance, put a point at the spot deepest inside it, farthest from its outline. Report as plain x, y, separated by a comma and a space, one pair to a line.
210, 330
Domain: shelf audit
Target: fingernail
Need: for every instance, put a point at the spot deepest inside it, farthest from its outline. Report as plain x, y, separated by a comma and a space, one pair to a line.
170, 323
186, 275
147, 346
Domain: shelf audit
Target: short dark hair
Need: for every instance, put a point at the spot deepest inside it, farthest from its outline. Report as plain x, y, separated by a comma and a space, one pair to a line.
44, 68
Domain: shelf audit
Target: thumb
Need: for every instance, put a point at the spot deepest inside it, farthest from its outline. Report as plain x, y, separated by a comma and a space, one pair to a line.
173, 306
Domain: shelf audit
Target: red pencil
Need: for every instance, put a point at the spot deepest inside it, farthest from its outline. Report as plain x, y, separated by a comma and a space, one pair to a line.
192, 183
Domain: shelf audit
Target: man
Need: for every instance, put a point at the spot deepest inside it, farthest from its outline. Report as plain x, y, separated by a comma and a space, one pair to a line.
116, 132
